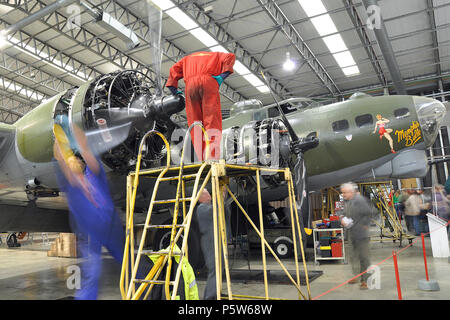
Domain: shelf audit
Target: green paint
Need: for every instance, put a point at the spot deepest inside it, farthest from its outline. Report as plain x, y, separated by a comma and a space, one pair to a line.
78, 102
35, 133
355, 145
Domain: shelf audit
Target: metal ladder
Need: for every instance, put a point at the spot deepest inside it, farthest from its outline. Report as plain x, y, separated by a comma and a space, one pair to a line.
389, 214
165, 174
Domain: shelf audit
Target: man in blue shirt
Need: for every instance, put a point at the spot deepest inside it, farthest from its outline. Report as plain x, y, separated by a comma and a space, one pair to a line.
83, 180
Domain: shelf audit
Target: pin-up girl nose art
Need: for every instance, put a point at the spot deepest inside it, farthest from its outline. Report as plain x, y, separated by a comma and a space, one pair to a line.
383, 131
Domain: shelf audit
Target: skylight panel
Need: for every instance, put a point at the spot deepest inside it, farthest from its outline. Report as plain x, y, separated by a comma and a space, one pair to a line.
351, 71
324, 25
344, 59
335, 43
313, 7
326, 28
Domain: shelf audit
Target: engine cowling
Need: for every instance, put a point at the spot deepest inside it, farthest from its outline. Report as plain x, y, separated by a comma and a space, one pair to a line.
263, 143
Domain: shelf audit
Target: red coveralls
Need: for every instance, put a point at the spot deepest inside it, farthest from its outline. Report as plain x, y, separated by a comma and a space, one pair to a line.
202, 94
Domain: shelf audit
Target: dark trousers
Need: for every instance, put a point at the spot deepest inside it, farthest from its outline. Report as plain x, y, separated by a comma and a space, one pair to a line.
91, 250
359, 257
204, 217
413, 224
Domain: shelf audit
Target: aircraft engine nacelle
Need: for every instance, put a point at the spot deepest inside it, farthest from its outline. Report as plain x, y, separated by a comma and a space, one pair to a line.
261, 143
123, 99
127, 98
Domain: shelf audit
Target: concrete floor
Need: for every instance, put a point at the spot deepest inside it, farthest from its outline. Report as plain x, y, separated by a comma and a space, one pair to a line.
26, 273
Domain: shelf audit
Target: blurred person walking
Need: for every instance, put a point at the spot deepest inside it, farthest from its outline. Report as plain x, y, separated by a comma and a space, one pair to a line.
440, 202
413, 207
359, 212
92, 213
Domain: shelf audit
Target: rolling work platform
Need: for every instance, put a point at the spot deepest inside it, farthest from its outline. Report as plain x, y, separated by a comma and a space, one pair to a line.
218, 174
389, 223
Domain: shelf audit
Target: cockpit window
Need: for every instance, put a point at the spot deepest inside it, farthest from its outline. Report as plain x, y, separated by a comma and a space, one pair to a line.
259, 115
339, 126
401, 113
364, 120
273, 112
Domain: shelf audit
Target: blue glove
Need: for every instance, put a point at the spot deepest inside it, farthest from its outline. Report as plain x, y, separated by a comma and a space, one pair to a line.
174, 90
219, 79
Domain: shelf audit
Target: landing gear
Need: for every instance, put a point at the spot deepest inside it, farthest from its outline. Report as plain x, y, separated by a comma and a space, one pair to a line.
11, 241
283, 249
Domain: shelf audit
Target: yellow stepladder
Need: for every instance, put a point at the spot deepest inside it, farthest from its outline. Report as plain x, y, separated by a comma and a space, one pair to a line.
165, 174
218, 174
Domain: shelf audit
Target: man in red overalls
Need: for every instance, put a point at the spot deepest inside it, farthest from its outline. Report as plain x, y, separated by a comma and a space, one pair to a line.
203, 73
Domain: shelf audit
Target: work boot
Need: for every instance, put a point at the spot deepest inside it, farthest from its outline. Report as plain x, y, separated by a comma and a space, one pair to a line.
353, 281
363, 285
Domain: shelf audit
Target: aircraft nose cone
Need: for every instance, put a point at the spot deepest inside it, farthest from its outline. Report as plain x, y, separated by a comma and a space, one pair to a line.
430, 113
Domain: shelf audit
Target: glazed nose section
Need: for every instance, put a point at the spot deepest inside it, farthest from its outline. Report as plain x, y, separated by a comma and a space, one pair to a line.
430, 113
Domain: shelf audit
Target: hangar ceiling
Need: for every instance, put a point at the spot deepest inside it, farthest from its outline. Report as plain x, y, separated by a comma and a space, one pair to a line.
47, 57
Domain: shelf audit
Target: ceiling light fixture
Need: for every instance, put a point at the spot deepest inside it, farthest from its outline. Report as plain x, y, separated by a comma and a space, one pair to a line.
289, 64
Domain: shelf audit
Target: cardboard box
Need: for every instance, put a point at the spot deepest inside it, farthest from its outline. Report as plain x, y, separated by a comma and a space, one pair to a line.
64, 246
315, 223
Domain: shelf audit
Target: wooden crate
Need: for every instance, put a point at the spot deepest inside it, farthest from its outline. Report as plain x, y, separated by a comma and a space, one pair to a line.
65, 245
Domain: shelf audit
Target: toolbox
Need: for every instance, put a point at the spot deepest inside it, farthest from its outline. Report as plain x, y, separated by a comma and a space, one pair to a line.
336, 249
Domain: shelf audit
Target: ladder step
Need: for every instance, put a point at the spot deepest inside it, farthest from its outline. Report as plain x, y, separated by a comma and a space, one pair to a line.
154, 281
185, 177
166, 226
171, 200
161, 252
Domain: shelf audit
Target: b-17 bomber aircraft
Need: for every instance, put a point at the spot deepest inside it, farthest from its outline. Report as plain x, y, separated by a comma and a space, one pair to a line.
364, 136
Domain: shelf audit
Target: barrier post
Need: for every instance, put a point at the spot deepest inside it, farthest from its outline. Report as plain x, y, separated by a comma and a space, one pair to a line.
425, 257
397, 276
427, 284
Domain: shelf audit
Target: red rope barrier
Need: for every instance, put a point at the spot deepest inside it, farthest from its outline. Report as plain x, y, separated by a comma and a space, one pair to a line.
379, 263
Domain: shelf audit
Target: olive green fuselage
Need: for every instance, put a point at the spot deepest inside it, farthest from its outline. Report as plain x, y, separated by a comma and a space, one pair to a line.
355, 145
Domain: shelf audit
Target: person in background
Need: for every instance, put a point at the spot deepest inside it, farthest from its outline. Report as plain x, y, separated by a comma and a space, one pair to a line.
401, 201
413, 207
396, 201
204, 218
360, 211
427, 205
92, 213
440, 202
447, 186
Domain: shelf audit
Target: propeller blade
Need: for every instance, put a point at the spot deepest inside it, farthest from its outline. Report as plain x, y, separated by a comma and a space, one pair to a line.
154, 34
106, 138
300, 178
